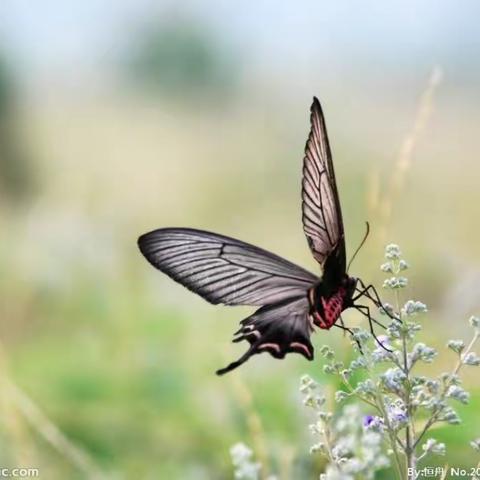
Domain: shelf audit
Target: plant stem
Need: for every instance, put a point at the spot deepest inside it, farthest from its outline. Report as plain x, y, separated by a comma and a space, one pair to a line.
326, 439
391, 433
379, 403
352, 391
411, 460
410, 457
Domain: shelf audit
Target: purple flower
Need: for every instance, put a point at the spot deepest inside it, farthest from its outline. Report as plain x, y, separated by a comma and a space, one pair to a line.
397, 415
372, 422
367, 420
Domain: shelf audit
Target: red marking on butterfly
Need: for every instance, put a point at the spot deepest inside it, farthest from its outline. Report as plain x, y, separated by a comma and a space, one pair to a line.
331, 308
274, 346
301, 346
326, 310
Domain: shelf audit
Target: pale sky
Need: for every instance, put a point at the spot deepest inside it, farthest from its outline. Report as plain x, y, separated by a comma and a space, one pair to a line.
57, 34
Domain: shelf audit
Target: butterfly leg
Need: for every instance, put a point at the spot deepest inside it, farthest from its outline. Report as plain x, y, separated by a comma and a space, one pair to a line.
365, 291
350, 331
342, 324
365, 310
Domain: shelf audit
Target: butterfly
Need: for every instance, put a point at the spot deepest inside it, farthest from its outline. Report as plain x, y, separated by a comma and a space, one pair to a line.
292, 301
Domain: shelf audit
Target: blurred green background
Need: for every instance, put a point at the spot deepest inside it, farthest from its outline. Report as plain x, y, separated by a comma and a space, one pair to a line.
120, 117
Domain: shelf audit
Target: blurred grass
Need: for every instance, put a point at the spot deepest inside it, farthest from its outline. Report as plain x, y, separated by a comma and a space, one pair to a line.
120, 358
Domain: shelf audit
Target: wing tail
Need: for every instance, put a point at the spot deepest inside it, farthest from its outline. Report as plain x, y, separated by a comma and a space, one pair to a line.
277, 329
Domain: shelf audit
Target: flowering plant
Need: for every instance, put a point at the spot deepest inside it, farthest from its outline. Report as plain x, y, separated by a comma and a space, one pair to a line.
400, 405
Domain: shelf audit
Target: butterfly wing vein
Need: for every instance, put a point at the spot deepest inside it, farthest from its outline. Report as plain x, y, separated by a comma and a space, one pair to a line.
222, 269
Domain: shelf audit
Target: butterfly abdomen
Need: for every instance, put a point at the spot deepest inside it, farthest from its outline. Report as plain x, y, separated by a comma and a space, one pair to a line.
325, 310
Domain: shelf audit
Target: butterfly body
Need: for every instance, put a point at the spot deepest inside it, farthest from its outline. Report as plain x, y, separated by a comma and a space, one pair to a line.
292, 300
327, 303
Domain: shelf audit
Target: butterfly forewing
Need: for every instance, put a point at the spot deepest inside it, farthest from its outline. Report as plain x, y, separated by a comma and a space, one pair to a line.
321, 213
222, 269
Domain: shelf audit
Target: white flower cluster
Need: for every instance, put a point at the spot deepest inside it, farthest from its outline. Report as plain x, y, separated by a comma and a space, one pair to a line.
432, 446
456, 345
471, 358
474, 322
353, 450
421, 352
475, 444
244, 467
412, 308
394, 265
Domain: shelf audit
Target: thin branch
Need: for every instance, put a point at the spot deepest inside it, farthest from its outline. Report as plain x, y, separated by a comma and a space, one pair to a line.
443, 394
37, 419
52, 434
404, 160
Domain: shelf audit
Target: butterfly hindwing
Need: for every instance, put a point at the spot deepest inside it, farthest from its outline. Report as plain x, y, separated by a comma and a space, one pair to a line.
277, 329
224, 270
321, 212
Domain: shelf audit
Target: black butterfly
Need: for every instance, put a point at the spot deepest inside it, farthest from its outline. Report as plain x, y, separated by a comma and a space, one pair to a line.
292, 300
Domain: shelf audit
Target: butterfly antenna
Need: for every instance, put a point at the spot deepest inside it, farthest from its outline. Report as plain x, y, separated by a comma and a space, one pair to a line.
360, 246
